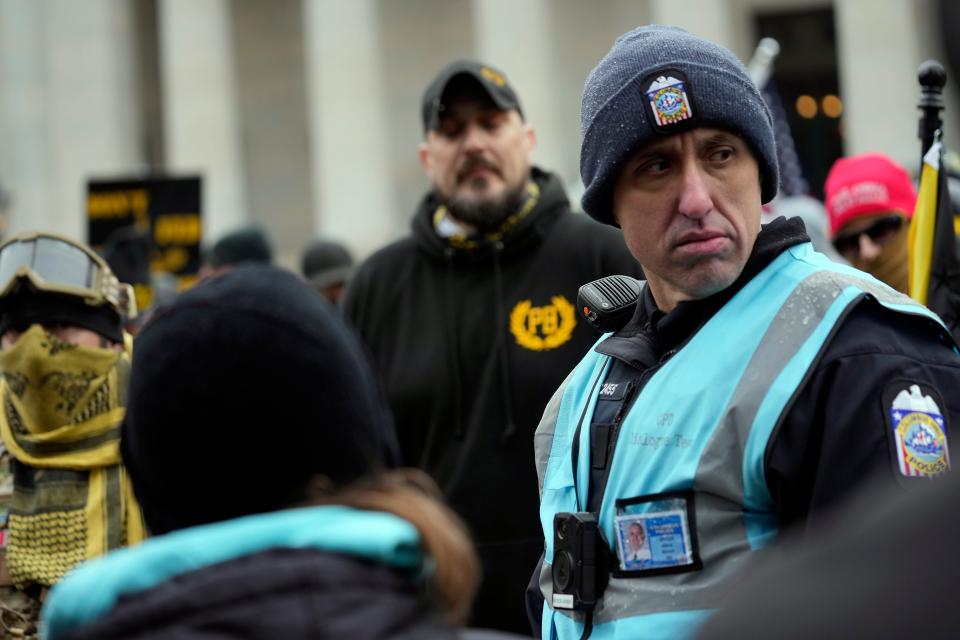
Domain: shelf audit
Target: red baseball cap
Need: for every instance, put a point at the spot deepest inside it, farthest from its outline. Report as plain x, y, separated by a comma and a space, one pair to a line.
866, 184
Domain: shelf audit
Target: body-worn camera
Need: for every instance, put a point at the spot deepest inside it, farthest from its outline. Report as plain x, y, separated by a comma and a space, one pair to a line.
581, 558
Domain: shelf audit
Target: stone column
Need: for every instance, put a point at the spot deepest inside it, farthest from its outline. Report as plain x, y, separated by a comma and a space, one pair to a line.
877, 49
200, 107
353, 188
710, 19
516, 37
271, 85
68, 107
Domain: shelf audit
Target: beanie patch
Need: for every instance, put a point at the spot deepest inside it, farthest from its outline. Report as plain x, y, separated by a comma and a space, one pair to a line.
669, 101
660, 80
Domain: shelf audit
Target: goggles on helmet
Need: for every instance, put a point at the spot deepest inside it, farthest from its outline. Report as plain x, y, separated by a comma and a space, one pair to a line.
55, 264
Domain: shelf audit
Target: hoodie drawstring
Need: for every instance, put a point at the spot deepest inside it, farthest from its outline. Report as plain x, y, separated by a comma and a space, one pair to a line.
505, 380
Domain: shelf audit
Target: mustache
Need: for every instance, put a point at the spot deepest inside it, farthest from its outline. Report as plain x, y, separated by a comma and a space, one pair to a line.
476, 162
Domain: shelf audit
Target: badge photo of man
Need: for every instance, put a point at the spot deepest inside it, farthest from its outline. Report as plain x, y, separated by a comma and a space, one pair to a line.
636, 548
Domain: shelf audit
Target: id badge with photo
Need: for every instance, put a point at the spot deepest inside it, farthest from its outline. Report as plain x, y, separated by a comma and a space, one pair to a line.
656, 534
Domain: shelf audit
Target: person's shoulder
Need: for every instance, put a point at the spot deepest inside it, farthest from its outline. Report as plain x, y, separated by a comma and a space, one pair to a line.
387, 258
401, 249
873, 329
580, 226
599, 248
580, 233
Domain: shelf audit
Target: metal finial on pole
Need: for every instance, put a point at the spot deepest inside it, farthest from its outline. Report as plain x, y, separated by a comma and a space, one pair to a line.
932, 78
761, 64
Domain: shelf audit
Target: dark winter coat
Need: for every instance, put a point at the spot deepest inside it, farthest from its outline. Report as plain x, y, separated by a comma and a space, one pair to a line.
471, 344
279, 593
325, 572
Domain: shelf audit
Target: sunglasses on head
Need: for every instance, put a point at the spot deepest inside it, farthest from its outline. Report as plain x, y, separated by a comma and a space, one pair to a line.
879, 233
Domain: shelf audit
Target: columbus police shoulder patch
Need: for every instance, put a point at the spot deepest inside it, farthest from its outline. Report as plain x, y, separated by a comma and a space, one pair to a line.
919, 429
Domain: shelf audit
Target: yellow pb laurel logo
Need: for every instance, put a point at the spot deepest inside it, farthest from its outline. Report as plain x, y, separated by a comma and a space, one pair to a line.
543, 328
493, 76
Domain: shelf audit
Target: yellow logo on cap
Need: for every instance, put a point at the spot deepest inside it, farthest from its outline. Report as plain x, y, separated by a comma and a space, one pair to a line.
492, 76
543, 328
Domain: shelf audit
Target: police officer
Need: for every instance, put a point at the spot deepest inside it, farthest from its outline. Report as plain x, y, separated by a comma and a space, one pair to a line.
757, 382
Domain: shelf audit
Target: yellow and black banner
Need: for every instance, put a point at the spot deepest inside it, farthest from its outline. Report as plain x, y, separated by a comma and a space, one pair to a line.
934, 266
167, 212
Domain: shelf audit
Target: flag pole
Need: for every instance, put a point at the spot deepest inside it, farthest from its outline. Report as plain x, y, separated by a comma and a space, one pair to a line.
932, 78
934, 266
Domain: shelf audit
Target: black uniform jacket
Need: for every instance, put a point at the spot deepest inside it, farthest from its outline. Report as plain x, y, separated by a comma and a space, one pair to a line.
836, 434
471, 344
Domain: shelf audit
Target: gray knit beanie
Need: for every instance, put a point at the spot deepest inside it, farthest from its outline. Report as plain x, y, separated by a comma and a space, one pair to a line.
660, 80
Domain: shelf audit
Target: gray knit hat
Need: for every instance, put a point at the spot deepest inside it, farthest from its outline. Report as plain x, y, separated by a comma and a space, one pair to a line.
660, 80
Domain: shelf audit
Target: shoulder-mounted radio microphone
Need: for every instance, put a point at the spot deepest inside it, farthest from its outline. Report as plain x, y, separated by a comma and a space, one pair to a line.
608, 303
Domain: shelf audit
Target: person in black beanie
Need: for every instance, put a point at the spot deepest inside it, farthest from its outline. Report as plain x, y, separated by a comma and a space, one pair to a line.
757, 383
259, 447
248, 245
327, 266
270, 357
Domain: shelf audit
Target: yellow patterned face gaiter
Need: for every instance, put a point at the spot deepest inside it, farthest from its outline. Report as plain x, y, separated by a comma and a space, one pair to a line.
54, 382
61, 406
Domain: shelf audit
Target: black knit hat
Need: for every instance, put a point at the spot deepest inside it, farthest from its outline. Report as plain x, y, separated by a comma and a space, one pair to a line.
127, 251
242, 246
657, 81
241, 391
27, 306
326, 263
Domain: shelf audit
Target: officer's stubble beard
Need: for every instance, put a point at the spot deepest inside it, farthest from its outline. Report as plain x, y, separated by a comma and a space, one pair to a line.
487, 214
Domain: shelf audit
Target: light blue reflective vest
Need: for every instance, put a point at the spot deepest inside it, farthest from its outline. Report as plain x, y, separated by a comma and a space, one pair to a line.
702, 423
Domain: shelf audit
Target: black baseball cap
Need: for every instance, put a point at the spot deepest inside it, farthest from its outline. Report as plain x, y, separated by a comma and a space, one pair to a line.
493, 82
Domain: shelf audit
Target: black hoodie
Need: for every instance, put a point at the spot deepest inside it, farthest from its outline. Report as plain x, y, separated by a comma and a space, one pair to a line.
471, 344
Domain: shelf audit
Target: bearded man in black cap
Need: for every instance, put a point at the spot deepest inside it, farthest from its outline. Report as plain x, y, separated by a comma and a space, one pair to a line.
65, 361
471, 320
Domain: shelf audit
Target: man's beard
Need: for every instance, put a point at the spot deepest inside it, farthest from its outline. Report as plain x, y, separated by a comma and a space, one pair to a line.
488, 214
